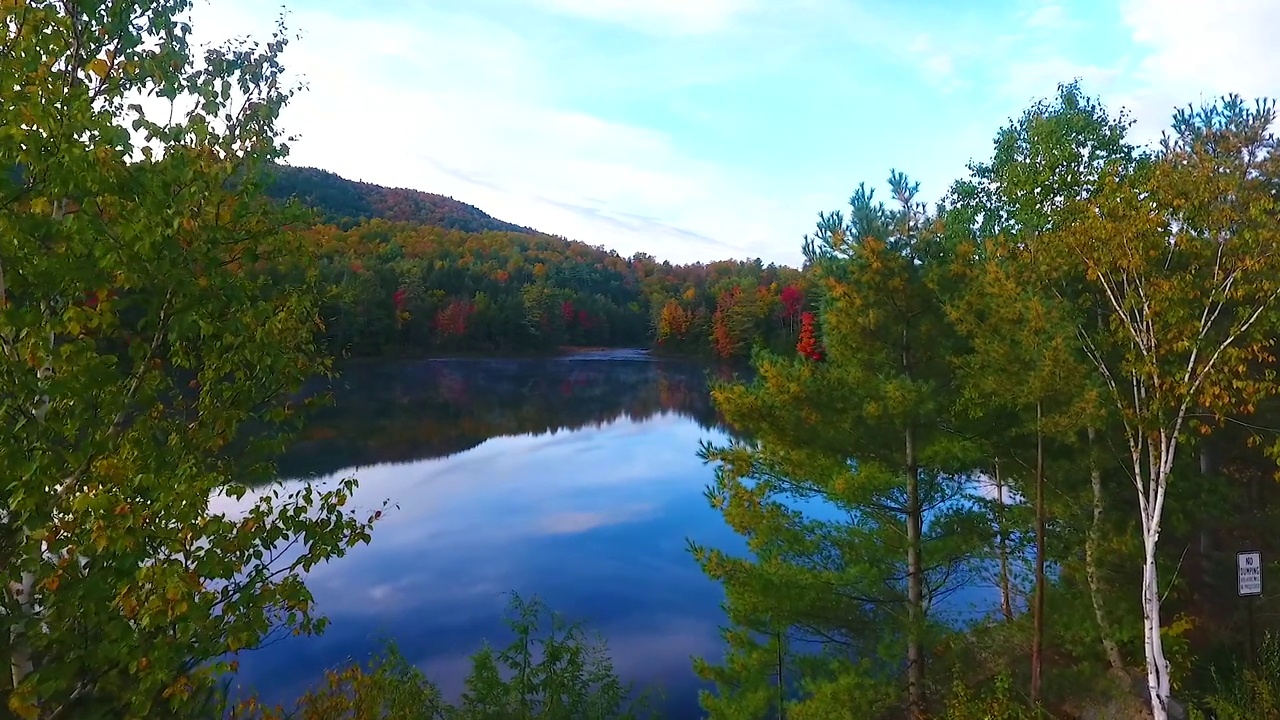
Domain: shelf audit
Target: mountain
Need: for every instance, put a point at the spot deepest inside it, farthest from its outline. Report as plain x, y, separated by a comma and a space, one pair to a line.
347, 203
415, 273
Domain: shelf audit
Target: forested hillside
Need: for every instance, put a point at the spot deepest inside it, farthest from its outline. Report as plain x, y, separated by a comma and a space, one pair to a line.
414, 273
346, 202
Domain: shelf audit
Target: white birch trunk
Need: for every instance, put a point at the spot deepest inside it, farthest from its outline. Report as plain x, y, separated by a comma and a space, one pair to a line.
19, 649
19, 654
1152, 484
22, 592
1157, 664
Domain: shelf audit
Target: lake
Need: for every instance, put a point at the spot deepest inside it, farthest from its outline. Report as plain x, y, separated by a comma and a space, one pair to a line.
575, 479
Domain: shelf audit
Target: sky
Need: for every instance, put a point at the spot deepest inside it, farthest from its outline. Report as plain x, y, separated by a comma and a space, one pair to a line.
708, 129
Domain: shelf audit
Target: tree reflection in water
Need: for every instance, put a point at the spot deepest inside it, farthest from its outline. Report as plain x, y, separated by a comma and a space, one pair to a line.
419, 410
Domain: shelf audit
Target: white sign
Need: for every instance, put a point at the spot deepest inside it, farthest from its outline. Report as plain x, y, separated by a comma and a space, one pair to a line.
1249, 573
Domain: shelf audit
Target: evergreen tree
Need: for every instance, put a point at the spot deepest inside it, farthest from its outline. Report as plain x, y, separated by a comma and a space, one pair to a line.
852, 490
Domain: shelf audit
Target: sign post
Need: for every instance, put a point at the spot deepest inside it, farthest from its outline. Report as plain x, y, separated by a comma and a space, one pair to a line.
1249, 586
1249, 573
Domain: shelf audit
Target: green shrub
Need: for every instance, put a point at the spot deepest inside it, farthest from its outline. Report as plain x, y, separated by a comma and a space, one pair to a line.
1247, 693
552, 670
997, 701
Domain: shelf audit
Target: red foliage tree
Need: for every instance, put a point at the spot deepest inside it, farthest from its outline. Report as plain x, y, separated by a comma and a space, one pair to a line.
399, 299
738, 318
722, 338
792, 298
452, 320
809, 346
673, 323
93, 298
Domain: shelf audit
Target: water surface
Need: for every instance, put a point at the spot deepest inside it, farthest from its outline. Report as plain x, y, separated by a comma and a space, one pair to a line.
574, 479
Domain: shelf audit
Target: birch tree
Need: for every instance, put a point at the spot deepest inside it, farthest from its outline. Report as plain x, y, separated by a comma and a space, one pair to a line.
148, 362
1184, 250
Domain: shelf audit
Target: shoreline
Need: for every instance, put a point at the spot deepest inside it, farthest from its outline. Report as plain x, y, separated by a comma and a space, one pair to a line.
566, 351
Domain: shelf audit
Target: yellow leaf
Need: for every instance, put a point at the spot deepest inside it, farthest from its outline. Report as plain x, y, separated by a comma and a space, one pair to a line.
26, 711
99, 67
22, 704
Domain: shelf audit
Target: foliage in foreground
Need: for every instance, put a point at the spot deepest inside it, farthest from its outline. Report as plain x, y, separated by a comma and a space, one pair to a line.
551, 670
997, 701
157, 319
1246, 693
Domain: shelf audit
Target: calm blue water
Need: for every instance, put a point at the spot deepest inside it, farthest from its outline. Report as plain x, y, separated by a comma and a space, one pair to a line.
576, 481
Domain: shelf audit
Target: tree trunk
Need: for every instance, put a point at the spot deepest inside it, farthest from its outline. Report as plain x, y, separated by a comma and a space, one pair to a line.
1205, 586
19, 649
1037, 612
1091, 562
915, 586
1157, 664
23, 591
782, 684
1006, 599
1151, 488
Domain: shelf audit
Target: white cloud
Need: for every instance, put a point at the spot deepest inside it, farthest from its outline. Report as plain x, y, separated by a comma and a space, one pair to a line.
673, 16
1193, 52
574, 522
986, 487
458, 106
558, 171
937, 65
475, 106
1026, 82
1049, 16
1165, 54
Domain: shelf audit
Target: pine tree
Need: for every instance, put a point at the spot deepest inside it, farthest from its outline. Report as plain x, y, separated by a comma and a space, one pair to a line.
846, 490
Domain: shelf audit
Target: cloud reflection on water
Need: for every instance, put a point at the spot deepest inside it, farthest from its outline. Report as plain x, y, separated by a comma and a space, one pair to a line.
593, 520
574, 481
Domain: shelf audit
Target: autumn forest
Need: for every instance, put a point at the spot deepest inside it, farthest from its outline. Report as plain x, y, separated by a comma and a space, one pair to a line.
417, 274
1054, 326
1059, 382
